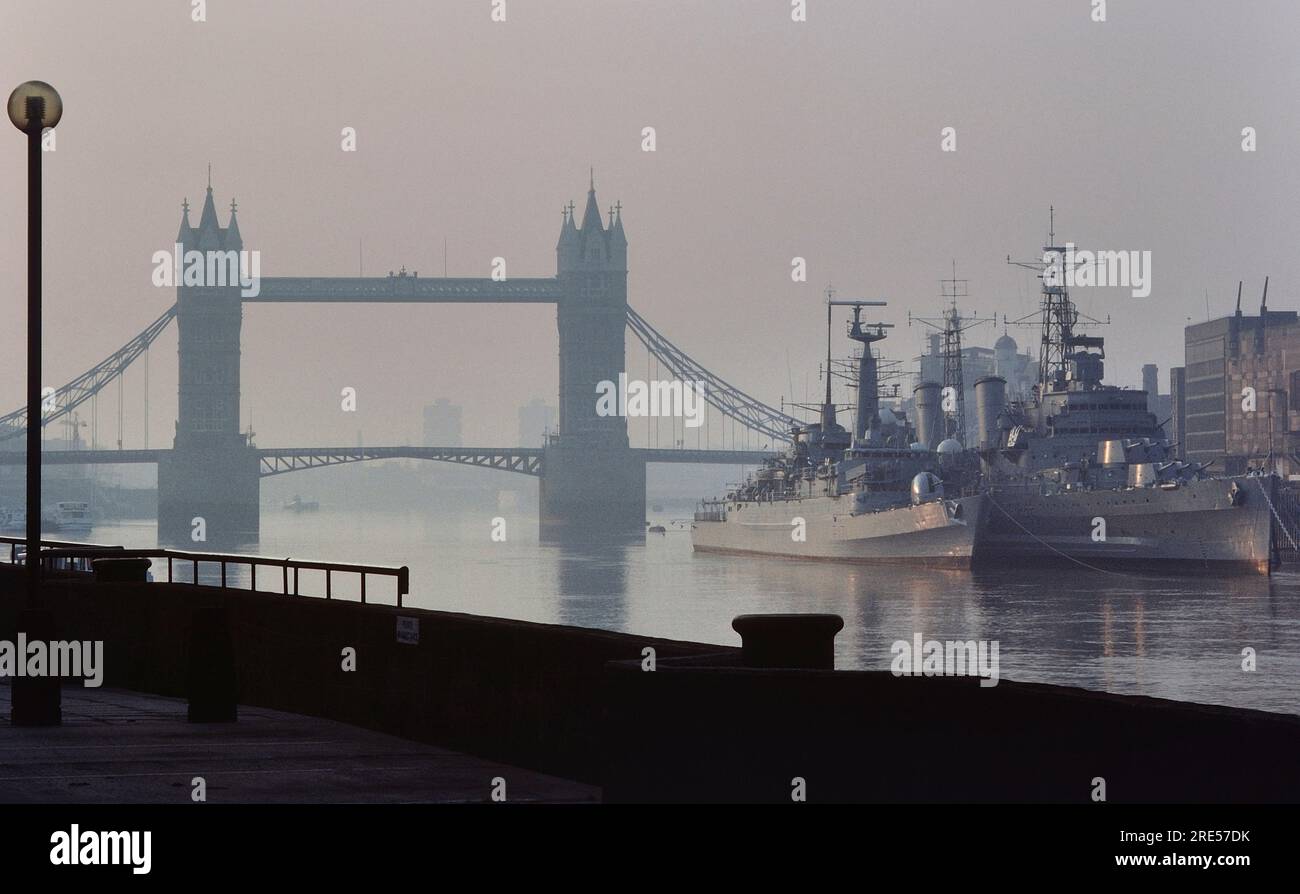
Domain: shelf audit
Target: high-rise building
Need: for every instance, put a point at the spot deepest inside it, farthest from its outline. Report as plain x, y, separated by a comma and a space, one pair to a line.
1177, 430
1160, 405
1151, 384
1242, 380
1205, 359
536, 418
442, 424
1004, 359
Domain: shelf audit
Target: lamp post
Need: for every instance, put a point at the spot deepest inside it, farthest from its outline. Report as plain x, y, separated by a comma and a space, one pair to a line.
33, 107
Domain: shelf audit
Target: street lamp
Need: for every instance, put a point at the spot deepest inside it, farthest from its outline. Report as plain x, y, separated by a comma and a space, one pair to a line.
32, 108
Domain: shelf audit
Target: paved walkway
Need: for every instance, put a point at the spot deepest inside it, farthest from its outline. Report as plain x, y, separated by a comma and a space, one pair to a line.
117, 746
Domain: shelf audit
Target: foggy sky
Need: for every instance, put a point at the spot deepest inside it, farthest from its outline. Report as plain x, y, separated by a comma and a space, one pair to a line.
775, 140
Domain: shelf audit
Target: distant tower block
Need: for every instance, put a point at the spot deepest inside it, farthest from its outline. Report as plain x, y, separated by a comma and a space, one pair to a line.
1151, 384
535, 420
442, 424
212, 473
1004, 357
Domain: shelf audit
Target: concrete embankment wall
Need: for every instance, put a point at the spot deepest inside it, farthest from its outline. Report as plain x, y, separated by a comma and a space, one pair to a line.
735, 734
576, 703
527, 694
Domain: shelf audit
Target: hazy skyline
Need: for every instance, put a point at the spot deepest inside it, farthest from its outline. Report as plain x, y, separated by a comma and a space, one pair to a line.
775, 139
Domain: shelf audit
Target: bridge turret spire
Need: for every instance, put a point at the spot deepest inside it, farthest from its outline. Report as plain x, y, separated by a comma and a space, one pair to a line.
617, 240
209, 228
616, 234
566, 246
234, 241
185, 236
591, 221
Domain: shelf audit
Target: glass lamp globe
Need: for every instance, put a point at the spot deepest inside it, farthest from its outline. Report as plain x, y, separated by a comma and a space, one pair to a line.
50, 109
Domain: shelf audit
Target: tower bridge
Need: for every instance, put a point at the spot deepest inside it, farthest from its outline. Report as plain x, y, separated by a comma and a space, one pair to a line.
590, 476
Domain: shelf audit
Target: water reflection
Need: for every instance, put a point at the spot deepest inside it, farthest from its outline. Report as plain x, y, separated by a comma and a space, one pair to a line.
591, 578
1174, 637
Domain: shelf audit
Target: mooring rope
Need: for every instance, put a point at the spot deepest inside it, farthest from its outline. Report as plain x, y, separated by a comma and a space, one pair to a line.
1273, 510
1065, 555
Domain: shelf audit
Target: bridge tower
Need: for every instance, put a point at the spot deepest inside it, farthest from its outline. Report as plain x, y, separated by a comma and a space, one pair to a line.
212, 473
591, 480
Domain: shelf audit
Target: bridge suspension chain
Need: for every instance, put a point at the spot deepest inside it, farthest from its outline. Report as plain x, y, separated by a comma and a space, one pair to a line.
89, 383
733, 403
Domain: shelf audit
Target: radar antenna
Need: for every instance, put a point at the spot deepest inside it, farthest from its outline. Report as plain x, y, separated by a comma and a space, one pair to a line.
1057, 317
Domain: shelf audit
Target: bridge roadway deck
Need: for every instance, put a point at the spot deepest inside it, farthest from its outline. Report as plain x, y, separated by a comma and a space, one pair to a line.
515, 459
82, 457
702, 457
122, 747
408, 289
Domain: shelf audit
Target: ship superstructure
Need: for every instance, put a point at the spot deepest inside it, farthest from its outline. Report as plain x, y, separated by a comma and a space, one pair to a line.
869, 494
1081, 471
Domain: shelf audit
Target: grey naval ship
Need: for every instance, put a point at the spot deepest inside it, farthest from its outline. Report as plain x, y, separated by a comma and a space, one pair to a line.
874, 494
1080, 472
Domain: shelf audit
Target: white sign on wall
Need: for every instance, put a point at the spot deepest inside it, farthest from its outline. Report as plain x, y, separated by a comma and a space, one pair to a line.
408, 631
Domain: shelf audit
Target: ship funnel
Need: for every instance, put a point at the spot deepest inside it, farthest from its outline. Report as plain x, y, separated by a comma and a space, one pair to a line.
868, 409
929, 413
990, 400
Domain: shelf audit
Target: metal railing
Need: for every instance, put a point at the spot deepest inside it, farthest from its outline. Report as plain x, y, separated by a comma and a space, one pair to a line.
1287, 513
72, 564
71, 556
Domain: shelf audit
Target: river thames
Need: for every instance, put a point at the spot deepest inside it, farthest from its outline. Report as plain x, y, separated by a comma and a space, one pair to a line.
1171, 637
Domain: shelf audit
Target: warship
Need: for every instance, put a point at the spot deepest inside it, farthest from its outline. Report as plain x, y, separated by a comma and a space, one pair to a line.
882, 492
1080, 472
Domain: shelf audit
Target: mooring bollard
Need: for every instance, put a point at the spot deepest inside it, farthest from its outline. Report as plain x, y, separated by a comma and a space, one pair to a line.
212, 684
36, 701
108, 571
795, 641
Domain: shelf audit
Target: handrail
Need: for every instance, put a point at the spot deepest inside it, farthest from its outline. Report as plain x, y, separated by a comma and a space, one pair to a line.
70, 550
15, 542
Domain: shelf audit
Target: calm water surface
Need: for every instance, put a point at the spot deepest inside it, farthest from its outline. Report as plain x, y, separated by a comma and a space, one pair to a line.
1172, 637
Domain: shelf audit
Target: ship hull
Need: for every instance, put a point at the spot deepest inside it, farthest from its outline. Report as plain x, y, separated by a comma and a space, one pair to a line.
1197, 526
937, 534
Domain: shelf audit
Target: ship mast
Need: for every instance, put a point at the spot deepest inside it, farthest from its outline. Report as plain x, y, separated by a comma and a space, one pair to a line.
828, 408
868, 405
951, 325
1058, 316
952, 372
